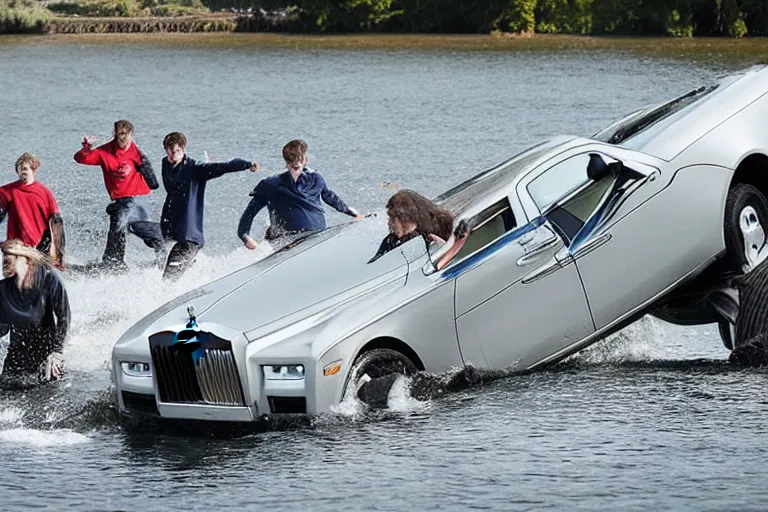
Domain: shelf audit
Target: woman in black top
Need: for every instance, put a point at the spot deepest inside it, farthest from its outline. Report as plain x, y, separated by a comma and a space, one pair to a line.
34, 307
411, 215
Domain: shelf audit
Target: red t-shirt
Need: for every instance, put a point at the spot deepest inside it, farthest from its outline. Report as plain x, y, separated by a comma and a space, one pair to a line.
29, 209
120, 168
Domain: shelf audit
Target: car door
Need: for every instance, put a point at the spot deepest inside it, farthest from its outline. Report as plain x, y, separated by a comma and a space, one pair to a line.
515, 304
645, 237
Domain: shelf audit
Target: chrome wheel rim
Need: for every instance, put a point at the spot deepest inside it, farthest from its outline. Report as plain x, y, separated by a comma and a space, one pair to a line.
755, 250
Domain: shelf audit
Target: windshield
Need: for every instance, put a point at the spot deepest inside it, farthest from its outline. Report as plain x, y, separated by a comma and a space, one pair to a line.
616, 134
492, 180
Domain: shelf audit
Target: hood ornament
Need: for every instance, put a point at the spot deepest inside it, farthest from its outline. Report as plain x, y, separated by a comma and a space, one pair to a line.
192, 319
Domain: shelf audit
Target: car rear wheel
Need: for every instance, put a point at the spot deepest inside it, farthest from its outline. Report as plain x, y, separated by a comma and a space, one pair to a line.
746, 233
746, 221
374, 372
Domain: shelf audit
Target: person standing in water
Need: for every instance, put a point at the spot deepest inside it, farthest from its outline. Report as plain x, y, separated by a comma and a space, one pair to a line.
292, 199
182, 218
34, 307
128, 177
33, 215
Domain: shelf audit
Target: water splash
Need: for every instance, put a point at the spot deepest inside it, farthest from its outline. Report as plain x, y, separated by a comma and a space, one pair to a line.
42, 438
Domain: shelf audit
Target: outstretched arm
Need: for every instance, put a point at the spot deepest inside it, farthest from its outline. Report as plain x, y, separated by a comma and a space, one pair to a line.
209, 171
258, 202
87, 155
334, 201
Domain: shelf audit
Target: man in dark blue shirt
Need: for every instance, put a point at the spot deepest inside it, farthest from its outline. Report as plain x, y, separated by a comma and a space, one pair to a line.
182, 218
292, 199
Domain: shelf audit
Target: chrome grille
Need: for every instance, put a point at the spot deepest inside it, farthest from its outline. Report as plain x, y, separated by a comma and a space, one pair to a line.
213, 380
218, 379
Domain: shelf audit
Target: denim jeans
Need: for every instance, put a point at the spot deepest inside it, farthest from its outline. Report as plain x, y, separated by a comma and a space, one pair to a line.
130, 214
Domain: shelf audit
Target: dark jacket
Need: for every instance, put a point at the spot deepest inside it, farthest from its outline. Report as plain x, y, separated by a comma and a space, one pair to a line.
182, 217
293, 206
38, 320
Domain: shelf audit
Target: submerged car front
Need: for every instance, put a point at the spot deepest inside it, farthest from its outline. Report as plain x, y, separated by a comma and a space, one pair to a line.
243, 346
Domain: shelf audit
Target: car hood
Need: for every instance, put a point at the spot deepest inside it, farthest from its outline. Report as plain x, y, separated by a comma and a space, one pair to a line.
309, 274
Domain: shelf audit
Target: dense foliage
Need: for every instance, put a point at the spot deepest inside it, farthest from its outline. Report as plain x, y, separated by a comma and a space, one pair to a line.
22, 16
735, 18
129, 8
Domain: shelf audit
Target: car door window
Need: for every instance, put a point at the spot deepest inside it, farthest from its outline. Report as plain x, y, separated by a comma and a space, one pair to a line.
559, 181
482, 230
571, 215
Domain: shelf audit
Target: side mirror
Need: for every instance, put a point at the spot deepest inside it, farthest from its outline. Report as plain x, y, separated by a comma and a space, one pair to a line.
598, 168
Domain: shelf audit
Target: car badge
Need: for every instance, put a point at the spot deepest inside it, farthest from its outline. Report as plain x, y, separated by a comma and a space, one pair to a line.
192, 319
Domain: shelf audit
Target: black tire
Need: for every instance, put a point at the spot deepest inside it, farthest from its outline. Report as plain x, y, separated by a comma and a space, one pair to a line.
740, 197
380, 364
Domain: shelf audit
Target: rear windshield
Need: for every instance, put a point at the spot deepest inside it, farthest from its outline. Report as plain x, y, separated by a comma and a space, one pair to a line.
617, 134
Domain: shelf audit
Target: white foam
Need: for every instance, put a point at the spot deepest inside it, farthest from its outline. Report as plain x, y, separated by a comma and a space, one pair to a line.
42, 438
105, 307
648, 339
351, 407
11, 415
399, 398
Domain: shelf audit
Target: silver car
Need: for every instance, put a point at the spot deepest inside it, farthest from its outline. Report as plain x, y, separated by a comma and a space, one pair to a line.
558, 247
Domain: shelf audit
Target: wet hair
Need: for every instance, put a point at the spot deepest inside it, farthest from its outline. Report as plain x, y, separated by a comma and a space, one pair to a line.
123, 124
294, 151
174, 138
16, 247
408, 206
27, 158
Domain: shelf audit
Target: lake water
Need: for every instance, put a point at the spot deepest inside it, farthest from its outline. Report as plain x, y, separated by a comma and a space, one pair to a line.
653, 418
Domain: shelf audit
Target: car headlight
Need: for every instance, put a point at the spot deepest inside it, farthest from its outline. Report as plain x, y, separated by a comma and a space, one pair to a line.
284, 372
136, 369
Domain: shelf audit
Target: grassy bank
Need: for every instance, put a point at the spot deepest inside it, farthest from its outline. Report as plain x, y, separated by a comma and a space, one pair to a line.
720, 52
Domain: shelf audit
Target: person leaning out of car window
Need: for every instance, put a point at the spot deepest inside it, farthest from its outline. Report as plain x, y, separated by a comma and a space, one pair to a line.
410, 215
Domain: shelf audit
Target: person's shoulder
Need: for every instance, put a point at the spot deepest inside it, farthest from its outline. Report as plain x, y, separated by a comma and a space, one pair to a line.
53, 275
266, 185
314, 174
275, 179
108, 147
42, 188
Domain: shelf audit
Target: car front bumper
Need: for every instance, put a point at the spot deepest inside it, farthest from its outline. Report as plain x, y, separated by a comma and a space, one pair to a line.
161, 393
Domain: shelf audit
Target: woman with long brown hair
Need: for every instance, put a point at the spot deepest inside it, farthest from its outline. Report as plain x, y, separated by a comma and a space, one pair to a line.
411, 215
34, 307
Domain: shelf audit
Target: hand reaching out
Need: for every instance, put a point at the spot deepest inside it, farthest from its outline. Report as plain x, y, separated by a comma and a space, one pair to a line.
250, 243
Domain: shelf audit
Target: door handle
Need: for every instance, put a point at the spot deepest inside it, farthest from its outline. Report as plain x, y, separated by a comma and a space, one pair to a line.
543, 271
591, 245
533, 251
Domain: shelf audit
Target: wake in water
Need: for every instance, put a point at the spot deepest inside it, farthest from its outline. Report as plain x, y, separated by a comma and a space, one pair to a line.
103, 307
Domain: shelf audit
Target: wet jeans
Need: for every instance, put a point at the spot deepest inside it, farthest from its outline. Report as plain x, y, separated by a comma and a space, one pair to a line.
182, 255
130, 214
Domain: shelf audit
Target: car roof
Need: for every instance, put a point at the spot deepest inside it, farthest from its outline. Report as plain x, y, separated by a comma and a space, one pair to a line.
669, 136
492, 185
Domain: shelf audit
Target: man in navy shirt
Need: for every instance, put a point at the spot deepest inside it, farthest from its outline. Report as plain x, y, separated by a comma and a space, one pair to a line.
182, 217
292, 199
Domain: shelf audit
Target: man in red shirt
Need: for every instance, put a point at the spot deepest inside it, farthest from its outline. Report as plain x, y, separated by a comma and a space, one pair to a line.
128, 176
33, 215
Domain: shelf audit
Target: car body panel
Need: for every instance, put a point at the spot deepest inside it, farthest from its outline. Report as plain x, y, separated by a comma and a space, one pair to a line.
569, 262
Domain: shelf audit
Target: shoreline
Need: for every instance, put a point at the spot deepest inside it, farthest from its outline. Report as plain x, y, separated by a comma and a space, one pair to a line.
714, 50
